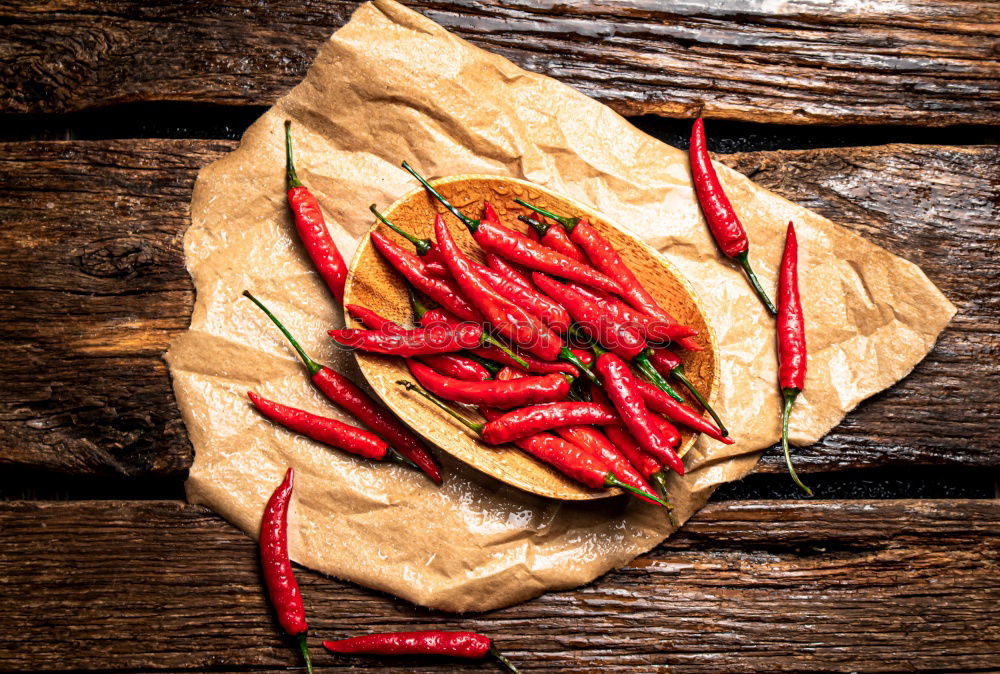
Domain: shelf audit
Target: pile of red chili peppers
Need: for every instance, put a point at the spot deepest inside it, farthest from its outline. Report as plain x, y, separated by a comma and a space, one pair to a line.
552, 338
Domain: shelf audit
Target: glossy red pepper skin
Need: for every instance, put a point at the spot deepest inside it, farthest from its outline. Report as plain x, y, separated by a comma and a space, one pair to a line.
505, 394
679, 412
556, 238
622, 389
516, 247
599, 446
442, 291
456, 366
626, 444
322, 429
792, 354
725, 225
521, 423
410, 343
538, 305
623, 339
507, 270
653, 329
669, 364
431, 642
282, 587
312, 229
510, 320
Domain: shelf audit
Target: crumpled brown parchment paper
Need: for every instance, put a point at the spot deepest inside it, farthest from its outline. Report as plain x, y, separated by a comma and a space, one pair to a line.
393, 85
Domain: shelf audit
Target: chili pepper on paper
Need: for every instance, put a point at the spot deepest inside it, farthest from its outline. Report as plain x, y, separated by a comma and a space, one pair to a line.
468, 645
604, 257
342, 392
670, 363
791, 341
565, 457
719, 213
548, 388
311, 227
517, 247
282, 588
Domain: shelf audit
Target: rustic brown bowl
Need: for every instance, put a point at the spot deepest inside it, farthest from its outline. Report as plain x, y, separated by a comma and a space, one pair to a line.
373, 283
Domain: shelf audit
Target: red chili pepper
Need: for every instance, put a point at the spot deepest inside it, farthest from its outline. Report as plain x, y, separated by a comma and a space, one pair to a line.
429, 253
555, 238
538, 305
416, 342
792, 354
282, 588
346, 395
525, 421
653, 329
679, 412
623, 390
501, 266
311, 226
599, 446
510, 320
722, 220
467, 645
322, 429
670, 364
549, 388
517, 247
604, 257
623, 339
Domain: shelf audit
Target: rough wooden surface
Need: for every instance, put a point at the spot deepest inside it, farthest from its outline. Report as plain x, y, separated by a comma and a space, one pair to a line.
927, 62
93, 287
745, 586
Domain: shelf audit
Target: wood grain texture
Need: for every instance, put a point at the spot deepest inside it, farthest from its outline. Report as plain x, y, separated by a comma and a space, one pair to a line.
744, 586
94, 287
926, 62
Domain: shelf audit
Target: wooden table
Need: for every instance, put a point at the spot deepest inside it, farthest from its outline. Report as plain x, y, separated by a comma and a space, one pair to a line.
102, 568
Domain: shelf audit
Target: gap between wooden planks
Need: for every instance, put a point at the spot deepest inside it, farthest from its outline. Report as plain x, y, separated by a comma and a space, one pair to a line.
93, 288
917, 62
744, 586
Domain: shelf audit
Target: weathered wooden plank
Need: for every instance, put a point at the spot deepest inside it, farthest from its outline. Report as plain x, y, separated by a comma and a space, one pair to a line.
745, 586
94, 287
924, 62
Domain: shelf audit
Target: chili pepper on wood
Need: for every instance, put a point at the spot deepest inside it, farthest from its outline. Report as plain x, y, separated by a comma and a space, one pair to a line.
525, 421
548, 388
555, 238
517, 247
468, 645
670, 363
346, 395
604, 257
791, 341
565, 457
722, 219
282, 588
679, 412
429, 253
623, 390
311, 227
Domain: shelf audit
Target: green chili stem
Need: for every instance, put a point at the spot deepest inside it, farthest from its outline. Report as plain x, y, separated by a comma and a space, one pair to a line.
654, 377
789, 395
568, 223
494, 368
744, 260
414, 388
612, 481
394, 455
420, 307
659, 480
304, 647
679, 373
536, 225
311, 365
502, 659
490, 340
571, 358
423, 246
290, 176
466, 220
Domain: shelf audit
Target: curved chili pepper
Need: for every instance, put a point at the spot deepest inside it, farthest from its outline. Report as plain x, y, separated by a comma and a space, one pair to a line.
346, 395
653, 329
538, 305
722, 220
792, 353
517, 247
282, 588
604, 257
322, 429
311, 226
679, 412
510, 320
623, 339
507, 270
525, 421
623, 390
670, 363
599, 446
555, 238
468, 645
548, 388
429, 253
410, 343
